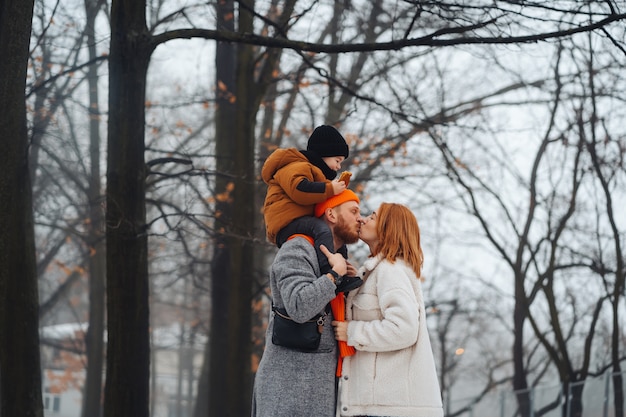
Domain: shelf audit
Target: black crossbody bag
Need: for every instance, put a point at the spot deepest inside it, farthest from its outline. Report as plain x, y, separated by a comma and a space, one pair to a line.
304, 337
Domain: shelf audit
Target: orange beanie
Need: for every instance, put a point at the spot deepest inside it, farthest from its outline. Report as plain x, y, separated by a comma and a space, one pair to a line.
336, 200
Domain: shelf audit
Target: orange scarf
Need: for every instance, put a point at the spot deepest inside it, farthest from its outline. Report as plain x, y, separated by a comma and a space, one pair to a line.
338, 306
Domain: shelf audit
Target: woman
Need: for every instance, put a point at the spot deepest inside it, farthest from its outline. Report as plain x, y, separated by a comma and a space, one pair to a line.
393, 371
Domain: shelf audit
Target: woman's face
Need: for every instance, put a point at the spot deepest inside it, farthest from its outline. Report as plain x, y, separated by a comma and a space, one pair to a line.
368, 231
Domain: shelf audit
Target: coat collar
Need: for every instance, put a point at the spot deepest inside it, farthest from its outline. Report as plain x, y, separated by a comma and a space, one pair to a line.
370, 264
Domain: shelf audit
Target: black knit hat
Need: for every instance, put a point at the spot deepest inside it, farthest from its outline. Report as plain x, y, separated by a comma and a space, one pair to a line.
327, 141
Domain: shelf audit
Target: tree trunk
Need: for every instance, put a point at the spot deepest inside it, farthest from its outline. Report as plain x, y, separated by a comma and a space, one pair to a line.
94, 339
618, 398
201, 408
230, 380
20, 373
215, 365
575, 401
128, 344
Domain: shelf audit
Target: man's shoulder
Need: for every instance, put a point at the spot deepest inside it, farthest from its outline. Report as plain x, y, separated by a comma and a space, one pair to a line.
298, 242
295, 253
296, 248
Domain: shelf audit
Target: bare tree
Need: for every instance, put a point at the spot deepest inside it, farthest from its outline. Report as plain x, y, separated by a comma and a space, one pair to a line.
94, 339
543, 254
606, 158
20, 373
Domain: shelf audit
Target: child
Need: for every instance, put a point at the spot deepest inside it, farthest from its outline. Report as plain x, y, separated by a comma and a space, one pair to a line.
297, 180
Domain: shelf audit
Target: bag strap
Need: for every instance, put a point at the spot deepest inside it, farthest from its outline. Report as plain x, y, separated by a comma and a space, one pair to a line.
283, 313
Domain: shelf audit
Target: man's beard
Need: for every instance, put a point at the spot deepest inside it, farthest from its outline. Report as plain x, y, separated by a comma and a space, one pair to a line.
344, 232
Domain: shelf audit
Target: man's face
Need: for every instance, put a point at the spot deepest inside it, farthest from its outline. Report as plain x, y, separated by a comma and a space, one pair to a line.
348, 222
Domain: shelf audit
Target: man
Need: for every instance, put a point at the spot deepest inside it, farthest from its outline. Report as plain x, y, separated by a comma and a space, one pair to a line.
289, 382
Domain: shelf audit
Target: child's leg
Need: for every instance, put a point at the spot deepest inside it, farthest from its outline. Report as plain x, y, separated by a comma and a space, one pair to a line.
317, 229
297, 226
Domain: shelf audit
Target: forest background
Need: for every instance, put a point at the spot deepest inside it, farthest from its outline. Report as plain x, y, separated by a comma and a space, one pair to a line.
500, 123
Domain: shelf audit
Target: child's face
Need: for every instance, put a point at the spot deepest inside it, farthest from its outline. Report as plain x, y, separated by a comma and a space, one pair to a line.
334, 162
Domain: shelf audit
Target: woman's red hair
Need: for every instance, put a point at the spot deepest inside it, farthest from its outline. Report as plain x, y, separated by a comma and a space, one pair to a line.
399, 236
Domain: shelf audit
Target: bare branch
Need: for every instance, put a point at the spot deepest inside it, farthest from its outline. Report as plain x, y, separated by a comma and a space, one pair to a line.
431, 40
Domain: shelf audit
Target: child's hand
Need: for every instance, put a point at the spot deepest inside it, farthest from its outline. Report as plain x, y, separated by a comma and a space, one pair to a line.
338, 186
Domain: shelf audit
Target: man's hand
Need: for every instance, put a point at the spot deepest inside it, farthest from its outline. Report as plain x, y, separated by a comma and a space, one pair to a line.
336, 261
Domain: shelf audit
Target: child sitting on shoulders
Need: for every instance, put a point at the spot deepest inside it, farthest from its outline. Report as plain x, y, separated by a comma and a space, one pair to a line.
297, 180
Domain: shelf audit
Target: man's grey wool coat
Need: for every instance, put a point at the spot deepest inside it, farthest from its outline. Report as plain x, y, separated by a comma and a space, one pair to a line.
289, 383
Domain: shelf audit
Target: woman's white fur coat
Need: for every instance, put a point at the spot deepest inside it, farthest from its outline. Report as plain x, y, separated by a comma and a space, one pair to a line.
393, 371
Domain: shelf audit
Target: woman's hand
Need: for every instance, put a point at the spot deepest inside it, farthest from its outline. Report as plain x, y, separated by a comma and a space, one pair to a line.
351, 271
341, 330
